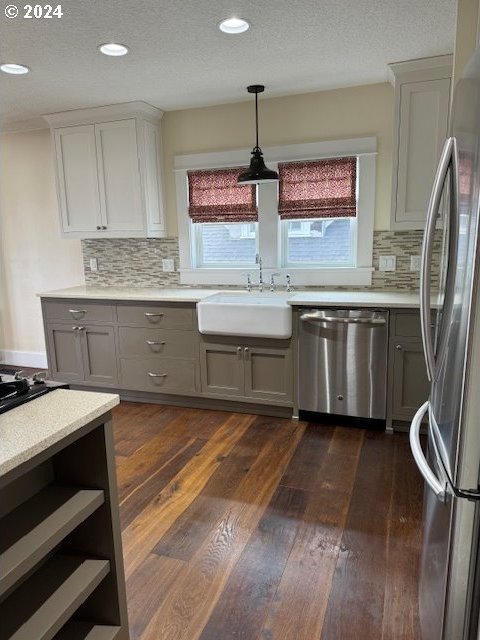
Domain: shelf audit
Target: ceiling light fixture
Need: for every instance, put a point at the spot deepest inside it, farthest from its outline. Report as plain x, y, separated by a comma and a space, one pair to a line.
113, 49
257, 171
234, 25
14, 69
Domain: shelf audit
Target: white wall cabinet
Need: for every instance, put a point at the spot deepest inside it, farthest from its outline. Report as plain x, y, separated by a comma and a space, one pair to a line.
109, 171
422, 102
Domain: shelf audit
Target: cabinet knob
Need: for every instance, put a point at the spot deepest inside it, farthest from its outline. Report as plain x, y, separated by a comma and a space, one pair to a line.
104, 228
246, 351
398, 347
99, 228
239, 352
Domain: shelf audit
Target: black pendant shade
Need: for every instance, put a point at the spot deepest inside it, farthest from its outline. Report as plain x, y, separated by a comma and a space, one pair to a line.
257, 171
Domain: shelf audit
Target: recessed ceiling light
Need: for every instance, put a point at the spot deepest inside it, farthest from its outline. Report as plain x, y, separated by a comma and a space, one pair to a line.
15, 69
113, 49
233, 25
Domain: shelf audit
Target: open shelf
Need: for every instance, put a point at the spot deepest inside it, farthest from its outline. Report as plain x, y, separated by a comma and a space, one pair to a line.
34, 528
79, 630
41, 606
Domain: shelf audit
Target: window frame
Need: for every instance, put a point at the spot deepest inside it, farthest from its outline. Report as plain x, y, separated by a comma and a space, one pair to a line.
270, 236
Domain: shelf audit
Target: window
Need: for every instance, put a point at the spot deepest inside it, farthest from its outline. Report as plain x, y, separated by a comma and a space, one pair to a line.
224, 218
328, 242
318, 206
316, 224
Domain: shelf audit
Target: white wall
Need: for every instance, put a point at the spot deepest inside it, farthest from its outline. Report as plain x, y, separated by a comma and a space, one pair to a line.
33, 257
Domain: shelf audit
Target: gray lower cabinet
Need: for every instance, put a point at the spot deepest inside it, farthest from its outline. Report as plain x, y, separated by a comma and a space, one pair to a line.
247, 371
222, 369
408, 383
99, 355
64, 353
82, 353
410, 387
268, 373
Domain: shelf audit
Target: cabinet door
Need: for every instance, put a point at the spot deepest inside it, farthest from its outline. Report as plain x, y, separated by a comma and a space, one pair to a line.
422, 127
119, 176
99, 355
410, 386
268, 373
65, 354
77, 179
221, 367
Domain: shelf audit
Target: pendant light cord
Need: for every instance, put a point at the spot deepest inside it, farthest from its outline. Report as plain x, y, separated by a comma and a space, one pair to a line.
256, 120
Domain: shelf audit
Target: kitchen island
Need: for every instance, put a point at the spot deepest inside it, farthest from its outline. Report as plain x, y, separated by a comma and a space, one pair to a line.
60, 545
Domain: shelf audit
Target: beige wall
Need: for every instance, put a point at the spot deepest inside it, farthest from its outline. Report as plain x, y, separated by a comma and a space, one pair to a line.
341, 113
466, 35
33, 256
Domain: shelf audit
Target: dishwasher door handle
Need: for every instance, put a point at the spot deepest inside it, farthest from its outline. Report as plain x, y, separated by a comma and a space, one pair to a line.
315, 317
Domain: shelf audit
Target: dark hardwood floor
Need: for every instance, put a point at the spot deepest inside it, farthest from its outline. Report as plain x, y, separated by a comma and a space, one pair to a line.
245, 527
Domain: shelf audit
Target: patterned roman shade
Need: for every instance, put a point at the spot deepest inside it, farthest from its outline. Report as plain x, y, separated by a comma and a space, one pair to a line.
215, 196
318, 189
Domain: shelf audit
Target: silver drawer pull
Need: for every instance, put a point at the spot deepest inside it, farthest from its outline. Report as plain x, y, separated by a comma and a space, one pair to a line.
74, 311
309, 317
152, 343
149, 314
157, 375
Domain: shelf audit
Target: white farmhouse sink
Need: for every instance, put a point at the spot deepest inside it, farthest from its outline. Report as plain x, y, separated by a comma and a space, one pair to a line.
255, 314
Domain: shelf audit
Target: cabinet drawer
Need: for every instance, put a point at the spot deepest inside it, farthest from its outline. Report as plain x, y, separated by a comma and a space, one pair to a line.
158, 374
138, 341
78, 311
168, 317
407, 325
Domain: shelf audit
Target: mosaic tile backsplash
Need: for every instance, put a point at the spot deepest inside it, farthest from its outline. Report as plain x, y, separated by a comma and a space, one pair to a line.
138, 261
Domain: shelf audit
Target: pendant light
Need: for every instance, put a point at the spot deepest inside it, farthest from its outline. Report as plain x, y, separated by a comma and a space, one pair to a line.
257, 171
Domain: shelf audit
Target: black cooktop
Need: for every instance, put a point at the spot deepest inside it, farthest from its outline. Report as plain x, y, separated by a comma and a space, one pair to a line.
16, 389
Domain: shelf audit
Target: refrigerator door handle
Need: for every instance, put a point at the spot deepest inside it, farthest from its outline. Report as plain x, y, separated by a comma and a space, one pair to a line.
430, 478
427, 249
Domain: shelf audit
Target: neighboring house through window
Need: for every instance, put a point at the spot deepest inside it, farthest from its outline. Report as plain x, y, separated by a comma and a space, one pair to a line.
316, 224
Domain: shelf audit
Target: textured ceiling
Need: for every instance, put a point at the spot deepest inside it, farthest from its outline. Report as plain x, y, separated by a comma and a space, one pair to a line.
178, 58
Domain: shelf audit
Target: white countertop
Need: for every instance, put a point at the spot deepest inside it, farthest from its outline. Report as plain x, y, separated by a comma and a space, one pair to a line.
389, 299
149, 294
34, 426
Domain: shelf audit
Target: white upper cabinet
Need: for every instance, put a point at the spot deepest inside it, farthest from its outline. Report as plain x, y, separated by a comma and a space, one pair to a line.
422, 101
108, 171
77, 184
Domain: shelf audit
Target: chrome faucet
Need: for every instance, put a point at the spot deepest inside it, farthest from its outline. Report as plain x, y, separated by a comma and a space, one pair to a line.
272, 280
258, 260
287, 278
248, 286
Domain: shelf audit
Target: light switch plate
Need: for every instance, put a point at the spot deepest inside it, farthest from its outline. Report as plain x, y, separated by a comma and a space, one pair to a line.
387, 263
93, 264
168, 264
415, 263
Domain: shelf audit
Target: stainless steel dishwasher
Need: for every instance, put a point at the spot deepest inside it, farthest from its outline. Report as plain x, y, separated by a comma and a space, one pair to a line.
342, 362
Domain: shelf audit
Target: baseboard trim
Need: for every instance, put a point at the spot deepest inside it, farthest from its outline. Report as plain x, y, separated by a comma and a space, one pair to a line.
35, 359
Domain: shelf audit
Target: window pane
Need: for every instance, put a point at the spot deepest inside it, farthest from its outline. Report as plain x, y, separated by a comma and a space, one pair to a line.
226, 244
326, 242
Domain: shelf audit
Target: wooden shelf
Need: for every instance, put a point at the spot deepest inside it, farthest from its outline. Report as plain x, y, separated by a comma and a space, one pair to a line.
41, 606
79, 630
34, 528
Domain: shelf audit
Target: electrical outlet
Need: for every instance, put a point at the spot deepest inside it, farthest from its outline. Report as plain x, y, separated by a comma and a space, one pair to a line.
168, 264
387, 263
93, 264
415, 263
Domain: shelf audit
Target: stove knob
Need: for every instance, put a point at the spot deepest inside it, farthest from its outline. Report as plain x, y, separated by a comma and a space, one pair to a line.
39, 377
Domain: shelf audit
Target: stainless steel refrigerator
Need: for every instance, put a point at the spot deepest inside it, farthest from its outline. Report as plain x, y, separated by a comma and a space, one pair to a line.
449, 589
